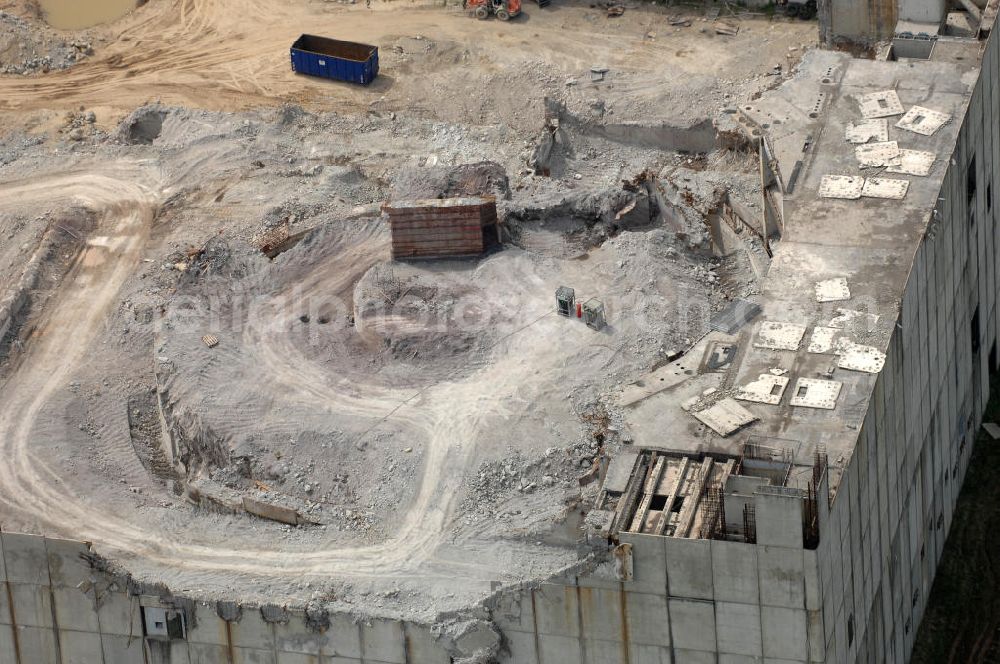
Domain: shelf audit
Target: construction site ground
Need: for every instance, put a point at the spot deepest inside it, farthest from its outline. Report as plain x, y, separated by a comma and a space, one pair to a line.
434, 423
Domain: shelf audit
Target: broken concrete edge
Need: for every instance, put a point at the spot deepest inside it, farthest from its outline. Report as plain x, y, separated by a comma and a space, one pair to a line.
471, 634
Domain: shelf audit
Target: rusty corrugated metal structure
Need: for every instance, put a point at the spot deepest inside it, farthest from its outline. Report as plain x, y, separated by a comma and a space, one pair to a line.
437, 228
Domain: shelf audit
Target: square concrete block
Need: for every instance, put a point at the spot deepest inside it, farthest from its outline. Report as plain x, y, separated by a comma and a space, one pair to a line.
67, 564
734, 572
606, 652
601, 613
173, 652
199, 653
556, 610
38, 644
32, 605
421, 646
80, 647
4, 606
383, 641
119, 614
694, 657
122, 650
640, 654
75, 609
784, 633
252, 656
7, 642
559, 650
295, 637
208, 628
779, 520
649, 565
648, 622
740, 659
782, 577
25, 558
738, 627
250, 631
689, 567
693, 624
345, 637
522, 647
513, 612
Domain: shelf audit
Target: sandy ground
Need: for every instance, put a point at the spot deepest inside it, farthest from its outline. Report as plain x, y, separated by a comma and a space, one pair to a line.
424, 450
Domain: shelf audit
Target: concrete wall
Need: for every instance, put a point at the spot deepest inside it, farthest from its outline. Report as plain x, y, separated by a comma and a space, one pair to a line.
857, 21
688, 601
55, 608
883, 539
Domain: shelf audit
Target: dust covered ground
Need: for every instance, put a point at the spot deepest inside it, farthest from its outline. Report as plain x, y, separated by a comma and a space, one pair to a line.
435, 425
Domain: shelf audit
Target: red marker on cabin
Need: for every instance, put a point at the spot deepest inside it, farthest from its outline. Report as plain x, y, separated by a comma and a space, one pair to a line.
579, 310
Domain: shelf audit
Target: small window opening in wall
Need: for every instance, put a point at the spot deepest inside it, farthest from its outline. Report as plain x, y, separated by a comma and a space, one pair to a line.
970, 180
923, 551
850, 629
974, 331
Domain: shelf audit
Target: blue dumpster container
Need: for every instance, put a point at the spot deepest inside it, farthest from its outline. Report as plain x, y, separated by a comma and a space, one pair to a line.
336, 59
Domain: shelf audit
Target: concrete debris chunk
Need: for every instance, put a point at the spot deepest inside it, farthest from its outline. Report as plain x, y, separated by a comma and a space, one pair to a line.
832, 290
885, 188
816, 393
882, 104
877, 155
779, 336
992, 429
923, 120
913, 162
857, 357
868, 130
768, 388
210, 340
725, 417
841, 186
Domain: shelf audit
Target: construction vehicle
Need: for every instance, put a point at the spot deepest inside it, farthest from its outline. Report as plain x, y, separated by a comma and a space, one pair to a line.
502, 9
804, 9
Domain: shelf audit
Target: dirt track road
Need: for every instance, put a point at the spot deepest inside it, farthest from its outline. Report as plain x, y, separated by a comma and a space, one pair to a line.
233, 54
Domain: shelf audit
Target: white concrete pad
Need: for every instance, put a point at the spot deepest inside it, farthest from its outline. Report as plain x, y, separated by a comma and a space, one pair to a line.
768, 388
868, 130
779, 336
885, 188
913, 162
857, 357
725, 417
841, 186
882, 104
877, 155
992, 429
816, 393
833, 290
923, 120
